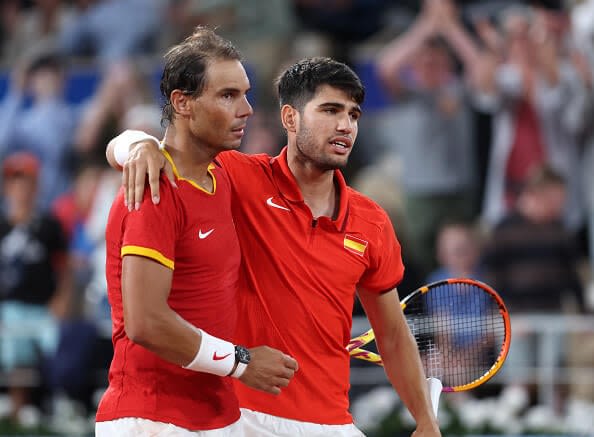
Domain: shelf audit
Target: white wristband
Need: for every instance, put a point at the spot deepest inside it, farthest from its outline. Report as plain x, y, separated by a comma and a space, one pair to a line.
214, 356
239, 370
124, 140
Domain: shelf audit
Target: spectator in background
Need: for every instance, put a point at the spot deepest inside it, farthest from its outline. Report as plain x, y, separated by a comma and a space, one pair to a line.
34, 280
113, 30
429, 125
339, 24
45, 127
582, 58
530, 258
72, 209
71, 371
31, 28
525, 80
458, 250
124, 86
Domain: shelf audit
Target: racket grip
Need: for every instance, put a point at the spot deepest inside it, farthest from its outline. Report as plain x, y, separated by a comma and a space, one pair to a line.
435, 387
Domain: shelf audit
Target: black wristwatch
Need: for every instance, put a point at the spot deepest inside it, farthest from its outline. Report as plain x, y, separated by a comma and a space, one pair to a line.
242, 355
242, 359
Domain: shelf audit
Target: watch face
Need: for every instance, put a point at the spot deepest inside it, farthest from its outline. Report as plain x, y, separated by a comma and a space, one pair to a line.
242, 354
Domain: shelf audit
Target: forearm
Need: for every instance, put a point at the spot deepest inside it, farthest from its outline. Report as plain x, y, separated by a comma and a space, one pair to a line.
398, 52
166, 334
405, 372
462, 43
400, 355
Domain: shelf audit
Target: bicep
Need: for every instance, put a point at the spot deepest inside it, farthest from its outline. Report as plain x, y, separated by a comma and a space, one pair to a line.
383, 310
145, 289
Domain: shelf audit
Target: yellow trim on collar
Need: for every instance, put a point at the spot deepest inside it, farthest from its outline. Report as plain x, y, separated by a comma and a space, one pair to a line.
211, 166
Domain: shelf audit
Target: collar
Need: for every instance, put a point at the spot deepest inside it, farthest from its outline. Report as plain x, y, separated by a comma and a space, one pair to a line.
210, 168
289, 189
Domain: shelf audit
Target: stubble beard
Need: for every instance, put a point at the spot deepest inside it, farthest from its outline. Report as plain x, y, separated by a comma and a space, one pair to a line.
306, 148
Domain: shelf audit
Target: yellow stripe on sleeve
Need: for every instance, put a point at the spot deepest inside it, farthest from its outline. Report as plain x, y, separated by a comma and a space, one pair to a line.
148, 253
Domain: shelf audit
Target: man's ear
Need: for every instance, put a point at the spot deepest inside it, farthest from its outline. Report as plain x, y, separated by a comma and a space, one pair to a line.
289, 117
180, 102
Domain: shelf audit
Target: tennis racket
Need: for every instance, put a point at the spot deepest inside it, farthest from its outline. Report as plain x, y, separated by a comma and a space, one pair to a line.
462, 330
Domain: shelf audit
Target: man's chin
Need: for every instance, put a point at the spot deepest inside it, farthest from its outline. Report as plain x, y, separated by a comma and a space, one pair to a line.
335, 164
235, 145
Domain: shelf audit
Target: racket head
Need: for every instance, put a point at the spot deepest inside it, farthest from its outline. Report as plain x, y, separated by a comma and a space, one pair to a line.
462, 329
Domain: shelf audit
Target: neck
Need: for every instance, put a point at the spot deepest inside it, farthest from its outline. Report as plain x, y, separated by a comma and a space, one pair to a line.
317, 186
190, 157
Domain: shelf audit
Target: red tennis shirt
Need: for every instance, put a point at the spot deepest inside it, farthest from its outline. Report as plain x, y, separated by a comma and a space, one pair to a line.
200, 245
299, 278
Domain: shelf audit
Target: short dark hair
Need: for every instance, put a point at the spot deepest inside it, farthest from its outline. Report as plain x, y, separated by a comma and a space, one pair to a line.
300, 82
186, 64
543, 176
46, 61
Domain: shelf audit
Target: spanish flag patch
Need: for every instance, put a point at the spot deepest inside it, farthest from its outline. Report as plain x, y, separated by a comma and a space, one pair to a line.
355, 245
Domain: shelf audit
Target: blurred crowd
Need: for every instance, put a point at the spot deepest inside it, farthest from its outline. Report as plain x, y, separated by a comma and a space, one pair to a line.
477, 138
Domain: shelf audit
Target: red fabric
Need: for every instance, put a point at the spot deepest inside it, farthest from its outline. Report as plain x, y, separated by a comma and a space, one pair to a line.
64, 209
298, 281
203, 292
527, 151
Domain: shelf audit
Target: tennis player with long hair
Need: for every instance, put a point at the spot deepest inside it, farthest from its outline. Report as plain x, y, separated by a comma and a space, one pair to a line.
309, 243
173, 271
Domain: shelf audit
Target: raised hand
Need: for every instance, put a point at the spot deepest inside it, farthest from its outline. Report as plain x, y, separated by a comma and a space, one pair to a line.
430, 14
447, 12
269, 370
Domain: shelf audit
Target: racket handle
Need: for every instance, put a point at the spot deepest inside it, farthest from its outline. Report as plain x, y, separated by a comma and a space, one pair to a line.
435, 387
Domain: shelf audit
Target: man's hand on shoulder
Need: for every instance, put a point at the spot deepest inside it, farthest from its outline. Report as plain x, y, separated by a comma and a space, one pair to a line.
144, 158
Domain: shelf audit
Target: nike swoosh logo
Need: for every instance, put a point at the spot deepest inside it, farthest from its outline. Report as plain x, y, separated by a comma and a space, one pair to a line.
203, 235
269, 202
216, 357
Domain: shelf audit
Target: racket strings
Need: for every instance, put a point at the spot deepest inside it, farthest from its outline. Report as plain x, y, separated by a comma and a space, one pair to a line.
459, 331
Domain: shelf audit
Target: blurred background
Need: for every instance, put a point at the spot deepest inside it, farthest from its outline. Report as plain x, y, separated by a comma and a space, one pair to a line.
477, 138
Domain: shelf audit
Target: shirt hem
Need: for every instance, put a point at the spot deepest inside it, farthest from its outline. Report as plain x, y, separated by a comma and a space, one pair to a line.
343, 420
193, 426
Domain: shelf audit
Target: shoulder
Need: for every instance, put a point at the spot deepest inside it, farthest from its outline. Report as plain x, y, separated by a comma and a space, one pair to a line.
365, 209
231, 159
167, 191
